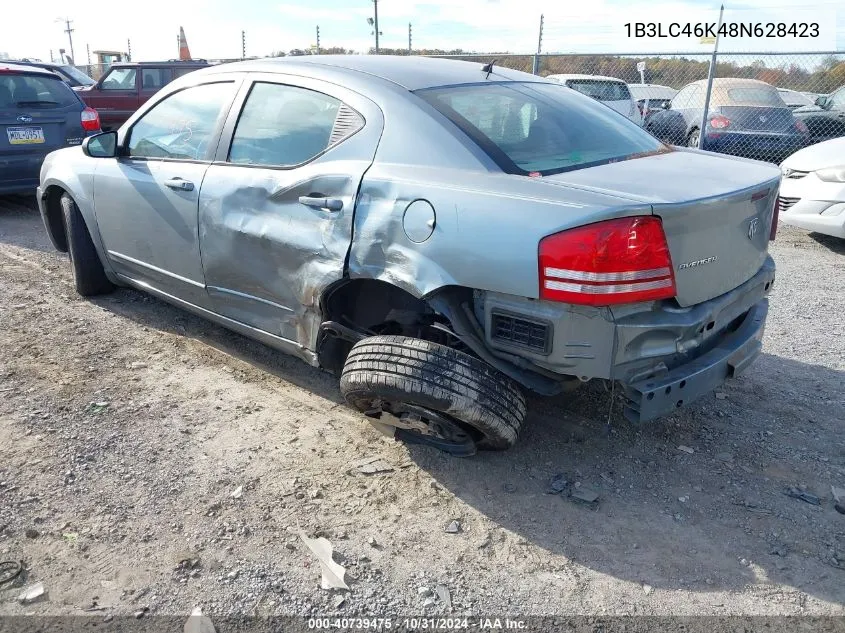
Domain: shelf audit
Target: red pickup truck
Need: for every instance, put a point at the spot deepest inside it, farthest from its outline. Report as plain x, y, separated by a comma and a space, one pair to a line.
126, 86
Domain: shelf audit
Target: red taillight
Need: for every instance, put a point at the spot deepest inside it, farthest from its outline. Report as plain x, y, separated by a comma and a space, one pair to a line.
719, 122
90, 120
616, 261
775, 215
801, 126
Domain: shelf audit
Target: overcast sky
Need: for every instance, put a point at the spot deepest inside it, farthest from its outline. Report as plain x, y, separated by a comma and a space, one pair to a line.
213, 27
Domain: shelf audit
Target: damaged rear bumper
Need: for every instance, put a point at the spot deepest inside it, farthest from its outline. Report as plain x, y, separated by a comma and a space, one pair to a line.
655, 397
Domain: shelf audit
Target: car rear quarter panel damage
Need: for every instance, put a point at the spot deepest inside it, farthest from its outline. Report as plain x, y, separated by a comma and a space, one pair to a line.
487, 227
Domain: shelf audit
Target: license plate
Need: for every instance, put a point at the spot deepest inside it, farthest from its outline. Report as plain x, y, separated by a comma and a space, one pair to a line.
25, 135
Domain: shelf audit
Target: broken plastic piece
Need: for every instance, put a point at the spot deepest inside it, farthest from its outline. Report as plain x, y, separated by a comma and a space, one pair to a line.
198, 623
32, 593
797, 493
333, 574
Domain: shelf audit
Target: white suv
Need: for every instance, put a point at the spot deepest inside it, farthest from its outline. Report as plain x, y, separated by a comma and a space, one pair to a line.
610, 91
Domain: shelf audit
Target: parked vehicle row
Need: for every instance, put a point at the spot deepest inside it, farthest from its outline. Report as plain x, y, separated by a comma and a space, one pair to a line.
746, 118
353, 211
128, 85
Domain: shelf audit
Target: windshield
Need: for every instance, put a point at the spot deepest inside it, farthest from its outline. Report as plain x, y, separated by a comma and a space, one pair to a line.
35, 91
600, 90
79, 76
543, 128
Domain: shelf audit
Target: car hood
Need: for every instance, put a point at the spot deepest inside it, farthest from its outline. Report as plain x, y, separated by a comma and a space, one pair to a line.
826, 154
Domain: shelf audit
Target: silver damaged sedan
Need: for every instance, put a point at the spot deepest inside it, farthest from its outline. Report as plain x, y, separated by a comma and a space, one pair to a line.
442, 235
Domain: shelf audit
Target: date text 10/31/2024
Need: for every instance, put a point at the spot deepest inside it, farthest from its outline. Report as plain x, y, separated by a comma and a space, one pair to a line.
727, 29
417, 624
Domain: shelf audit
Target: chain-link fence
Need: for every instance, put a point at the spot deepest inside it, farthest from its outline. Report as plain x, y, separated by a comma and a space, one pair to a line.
760, 105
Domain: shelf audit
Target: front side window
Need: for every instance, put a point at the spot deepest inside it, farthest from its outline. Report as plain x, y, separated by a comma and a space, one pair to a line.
284, 125
155, 78
534, 127
119, 79
601, 90
182, 125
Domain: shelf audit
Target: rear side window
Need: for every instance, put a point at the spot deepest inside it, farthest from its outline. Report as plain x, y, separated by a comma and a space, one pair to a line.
534, 127
755, 96
601, 90
155, 78
181, 126
35, 91
284, 125
119, 79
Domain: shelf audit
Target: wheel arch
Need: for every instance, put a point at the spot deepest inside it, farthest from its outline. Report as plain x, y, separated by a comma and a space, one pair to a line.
52, 215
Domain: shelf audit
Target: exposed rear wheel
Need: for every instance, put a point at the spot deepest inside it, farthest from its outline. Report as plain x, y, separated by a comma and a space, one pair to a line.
693, 138
88, 273
432, 394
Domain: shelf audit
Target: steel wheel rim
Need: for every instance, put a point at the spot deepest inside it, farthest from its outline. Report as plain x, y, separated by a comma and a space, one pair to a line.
422, 422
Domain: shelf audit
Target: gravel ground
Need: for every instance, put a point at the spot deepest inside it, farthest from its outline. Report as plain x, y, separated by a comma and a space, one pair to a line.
151, 460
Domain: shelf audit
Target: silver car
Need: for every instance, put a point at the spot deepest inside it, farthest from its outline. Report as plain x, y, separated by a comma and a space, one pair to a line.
441, 234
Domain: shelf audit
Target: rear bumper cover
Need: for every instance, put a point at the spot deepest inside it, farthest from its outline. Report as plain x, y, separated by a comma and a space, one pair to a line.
652, 398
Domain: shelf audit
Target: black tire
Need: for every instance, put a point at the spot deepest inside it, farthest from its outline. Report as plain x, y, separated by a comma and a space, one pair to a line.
88, 273
693, 137
398, 369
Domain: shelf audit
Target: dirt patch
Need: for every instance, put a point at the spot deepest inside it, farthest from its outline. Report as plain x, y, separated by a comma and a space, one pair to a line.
126, 426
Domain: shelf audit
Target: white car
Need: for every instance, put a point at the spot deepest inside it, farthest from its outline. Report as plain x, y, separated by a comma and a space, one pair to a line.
611, 91
812, 191
794, 99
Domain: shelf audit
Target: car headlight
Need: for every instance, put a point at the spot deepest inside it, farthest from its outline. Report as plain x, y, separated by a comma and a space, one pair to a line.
832, 174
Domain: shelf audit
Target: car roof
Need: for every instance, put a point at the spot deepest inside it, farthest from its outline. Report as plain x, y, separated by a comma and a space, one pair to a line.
576, 76
25, 68
166, 62
410, 72
734, 82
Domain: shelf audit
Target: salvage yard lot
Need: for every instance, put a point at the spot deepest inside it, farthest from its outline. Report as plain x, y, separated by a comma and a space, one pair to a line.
126, 425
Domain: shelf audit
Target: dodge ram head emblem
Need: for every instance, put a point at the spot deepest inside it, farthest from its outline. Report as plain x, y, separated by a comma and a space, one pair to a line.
752, 228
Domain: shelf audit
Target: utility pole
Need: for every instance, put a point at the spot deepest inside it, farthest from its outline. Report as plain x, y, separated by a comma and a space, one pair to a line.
536, 69
409, 38
318, 39
68, 30
375, 17
88, 51
243, 44
128, 51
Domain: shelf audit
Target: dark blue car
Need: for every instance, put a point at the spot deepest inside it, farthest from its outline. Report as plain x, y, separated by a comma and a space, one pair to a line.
746, 118
39, 113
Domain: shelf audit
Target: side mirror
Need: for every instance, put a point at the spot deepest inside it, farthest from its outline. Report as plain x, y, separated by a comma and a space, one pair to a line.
103, 145
821, 101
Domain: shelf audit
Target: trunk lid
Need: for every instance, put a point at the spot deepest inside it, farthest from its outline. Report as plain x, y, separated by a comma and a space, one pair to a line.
759, 119
716, 213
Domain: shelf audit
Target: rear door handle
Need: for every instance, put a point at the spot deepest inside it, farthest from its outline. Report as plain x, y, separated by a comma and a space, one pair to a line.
179, 184
329, 204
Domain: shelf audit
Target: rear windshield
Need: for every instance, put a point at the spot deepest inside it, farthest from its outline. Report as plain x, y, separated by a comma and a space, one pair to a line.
755, 96
78, 75
34, 91
600, 90
543, 128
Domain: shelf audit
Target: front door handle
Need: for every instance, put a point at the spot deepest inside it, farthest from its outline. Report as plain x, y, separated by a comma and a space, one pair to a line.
179, 184
329, 204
